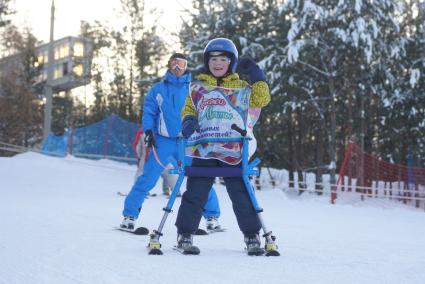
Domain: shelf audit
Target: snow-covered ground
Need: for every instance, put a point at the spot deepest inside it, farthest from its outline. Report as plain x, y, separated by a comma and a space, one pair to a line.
57, 217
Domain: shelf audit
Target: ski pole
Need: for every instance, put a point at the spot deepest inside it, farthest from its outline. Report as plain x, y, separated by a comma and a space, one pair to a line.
247, 170
154, 244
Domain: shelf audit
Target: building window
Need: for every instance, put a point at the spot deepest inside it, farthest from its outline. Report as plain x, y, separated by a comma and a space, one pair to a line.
61, 51
78, 70
65, 69
58, 72
78, 49
57, 53
44, 75
42, 58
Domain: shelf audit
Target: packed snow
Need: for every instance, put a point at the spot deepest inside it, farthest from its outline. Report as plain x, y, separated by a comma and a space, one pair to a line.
58, 216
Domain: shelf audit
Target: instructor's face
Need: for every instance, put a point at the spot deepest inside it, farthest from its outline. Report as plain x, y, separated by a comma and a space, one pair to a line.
177, 66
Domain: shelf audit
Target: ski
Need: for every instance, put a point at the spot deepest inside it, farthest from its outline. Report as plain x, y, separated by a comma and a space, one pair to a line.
191, 250
202, 232
272, 253
147, 196
155, 252
141, 231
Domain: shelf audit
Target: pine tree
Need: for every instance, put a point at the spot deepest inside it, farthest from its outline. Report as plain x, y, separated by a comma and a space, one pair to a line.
99, 35
125, 64
5, 10
404, 103
231, 19
150, 53
20, 108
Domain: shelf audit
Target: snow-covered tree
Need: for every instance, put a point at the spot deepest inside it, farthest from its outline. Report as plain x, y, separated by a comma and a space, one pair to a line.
404, 103
338, 70
236, 20
338, 47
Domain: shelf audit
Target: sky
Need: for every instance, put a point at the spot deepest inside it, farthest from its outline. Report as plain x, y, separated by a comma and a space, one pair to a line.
36, 14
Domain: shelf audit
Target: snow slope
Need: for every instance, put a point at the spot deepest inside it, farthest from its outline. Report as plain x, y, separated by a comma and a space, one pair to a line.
57, 217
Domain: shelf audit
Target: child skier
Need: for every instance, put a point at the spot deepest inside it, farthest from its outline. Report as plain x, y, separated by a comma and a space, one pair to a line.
209, 111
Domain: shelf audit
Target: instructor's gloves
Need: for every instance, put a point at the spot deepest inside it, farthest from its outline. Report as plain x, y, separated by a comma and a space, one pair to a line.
248, 67
149, 139
190, 125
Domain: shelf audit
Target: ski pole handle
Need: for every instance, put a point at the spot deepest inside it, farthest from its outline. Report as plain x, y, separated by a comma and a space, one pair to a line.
241, 131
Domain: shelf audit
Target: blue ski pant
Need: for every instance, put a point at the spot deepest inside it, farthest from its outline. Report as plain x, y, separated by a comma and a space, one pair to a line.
197, 192
166, 149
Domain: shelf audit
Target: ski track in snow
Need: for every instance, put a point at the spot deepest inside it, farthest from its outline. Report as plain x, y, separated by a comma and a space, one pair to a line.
58, 217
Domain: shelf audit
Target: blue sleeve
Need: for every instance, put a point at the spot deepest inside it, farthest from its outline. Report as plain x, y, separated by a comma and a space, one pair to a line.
150, 111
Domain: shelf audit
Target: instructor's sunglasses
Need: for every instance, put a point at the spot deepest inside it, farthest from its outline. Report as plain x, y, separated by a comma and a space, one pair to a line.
179, 63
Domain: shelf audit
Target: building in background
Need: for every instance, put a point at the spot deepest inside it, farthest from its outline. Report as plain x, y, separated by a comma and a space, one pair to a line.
71, 65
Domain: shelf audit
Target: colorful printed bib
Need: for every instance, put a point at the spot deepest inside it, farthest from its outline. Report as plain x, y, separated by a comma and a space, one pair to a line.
218, 108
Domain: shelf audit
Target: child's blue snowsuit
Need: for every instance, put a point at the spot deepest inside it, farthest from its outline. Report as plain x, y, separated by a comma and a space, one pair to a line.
161, 114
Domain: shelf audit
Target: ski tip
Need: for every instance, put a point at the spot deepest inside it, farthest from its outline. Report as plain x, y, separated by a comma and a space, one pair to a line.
122, 229
155, 252
138, 231
194, 252
273, 253
141, 231
255, 253
201, 232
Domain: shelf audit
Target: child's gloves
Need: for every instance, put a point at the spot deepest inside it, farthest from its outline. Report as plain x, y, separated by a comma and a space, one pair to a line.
248, 66
149, 139
190, 125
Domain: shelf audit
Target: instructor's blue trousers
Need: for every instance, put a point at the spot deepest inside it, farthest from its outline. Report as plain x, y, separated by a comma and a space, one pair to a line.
166, 149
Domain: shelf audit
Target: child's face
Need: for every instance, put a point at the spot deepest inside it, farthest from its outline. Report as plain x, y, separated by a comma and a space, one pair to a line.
218, 65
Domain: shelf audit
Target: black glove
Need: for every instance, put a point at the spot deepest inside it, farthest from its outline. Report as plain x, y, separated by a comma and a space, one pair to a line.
190, 125
149, 139
248, 67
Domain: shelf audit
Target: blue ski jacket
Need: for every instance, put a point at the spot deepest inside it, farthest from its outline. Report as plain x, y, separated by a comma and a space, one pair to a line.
163, 105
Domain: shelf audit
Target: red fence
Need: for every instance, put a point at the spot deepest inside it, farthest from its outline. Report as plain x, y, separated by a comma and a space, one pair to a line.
369, 176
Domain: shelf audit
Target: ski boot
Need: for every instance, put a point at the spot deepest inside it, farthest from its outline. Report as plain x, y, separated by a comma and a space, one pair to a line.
166, 191
128, 223
253, 245
213, 225
185, 244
